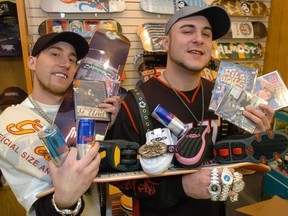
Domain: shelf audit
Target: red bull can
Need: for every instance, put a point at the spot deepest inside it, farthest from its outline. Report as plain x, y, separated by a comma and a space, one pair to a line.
169, 120
54, 143
85, 136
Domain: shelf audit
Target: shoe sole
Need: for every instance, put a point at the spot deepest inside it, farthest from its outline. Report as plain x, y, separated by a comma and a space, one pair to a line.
262, 147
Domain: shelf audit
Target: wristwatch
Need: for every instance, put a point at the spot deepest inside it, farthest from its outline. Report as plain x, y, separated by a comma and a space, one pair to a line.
214, 187
238, 185
226, 179
64, 212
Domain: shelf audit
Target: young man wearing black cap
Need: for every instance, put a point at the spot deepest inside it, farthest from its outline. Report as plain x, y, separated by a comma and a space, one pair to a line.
182, 91
23, 160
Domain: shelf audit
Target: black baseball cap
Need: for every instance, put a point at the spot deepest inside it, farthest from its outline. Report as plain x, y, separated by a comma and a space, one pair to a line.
77, 41
217, 17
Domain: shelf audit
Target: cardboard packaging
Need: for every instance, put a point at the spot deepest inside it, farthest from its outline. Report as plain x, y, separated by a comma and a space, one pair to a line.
275, 206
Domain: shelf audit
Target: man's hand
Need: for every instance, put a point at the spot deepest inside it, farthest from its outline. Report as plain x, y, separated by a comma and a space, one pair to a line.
195, 185
111, 105
74, 177
261, 117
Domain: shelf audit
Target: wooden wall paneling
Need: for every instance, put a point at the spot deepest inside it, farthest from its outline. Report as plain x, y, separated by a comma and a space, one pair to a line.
24, 42
277, 41
8, 203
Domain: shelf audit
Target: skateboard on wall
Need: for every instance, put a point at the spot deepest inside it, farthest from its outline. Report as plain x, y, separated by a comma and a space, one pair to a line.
241, 50
105, 61
123, 176
84, 27
151, 35
168, 6
246, 30
254, 8
83, 6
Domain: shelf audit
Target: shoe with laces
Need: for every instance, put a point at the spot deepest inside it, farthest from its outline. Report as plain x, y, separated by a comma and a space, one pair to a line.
261, 147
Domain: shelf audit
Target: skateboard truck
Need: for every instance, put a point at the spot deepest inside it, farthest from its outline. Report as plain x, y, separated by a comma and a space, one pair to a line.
119, 155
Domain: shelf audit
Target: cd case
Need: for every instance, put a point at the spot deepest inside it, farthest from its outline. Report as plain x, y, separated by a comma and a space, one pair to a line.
234, 103
231, 74
271, 88
88, 94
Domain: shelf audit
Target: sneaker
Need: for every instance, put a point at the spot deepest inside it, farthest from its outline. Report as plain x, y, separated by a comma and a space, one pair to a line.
261, 147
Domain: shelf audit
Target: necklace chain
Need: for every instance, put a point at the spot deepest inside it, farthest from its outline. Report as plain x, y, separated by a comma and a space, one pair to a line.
40, 110
183, 102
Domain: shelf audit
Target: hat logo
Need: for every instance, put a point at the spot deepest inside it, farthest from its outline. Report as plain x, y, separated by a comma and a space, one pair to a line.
11, 94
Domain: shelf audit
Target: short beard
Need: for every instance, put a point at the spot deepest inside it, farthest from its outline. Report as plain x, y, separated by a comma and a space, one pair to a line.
51, 90
186, 67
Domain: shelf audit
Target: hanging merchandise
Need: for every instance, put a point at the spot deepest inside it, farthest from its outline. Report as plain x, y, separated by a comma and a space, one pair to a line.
247, 30
83, 6
10, 44
242, 7
168, 6
238, 50
84, 27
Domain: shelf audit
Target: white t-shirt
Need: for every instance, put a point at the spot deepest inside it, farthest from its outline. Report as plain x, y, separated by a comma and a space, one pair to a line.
23, 158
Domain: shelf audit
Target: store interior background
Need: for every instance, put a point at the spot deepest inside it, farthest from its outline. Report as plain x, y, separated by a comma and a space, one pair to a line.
30, 16
14, 71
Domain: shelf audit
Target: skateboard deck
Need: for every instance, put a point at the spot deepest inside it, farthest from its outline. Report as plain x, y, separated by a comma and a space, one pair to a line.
105, 61
84, 27
123, 176
243, 50
83, 6
242, 7
249, 30
168, 6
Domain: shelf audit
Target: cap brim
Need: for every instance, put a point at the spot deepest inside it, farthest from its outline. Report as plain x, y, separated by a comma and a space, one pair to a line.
78, 42
216, 16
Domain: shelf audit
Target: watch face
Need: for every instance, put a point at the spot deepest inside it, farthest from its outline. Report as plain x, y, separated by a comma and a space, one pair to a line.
227, 178
214, 188
238, 186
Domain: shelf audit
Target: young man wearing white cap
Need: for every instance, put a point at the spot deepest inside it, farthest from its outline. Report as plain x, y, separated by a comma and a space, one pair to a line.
182, 91
23, 160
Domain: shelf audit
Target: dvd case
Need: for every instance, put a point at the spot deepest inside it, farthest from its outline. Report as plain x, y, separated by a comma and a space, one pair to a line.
88, 94
271, 88
232, 74
234, 103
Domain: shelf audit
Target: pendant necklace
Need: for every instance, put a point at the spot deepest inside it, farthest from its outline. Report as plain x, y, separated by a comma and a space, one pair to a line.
40, 110
183, 102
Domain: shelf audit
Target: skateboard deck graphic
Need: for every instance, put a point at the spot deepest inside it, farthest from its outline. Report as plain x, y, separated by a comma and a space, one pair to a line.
252, 30
243, 50
168, 6
252, 8
105, 61
122, 176
84, 27
83, 6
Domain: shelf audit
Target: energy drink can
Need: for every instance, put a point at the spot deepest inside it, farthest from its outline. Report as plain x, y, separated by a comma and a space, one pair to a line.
54, 142
169, 120
85, 136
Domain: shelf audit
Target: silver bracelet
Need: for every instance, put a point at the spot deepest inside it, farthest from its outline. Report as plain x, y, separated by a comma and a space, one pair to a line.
64, 212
